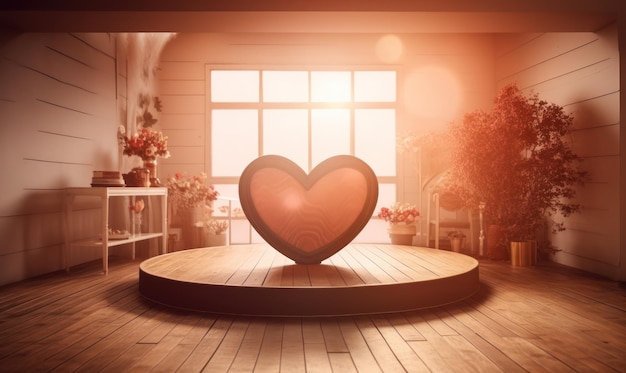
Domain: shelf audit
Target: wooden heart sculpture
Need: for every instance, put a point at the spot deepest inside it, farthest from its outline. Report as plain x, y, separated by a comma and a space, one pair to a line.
308, 218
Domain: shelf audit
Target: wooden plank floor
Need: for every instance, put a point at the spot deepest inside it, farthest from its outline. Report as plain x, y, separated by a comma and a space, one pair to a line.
542, 318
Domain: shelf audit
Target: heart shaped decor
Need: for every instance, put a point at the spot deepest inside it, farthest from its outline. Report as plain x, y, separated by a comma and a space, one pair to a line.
308, 218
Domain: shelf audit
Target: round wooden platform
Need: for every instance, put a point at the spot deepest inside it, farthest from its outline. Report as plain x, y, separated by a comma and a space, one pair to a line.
258, 280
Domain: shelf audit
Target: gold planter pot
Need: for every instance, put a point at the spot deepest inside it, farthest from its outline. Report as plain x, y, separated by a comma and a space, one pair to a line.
523, 253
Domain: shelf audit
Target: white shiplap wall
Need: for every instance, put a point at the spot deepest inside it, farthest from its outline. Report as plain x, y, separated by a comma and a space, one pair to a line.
579, 71
57, 124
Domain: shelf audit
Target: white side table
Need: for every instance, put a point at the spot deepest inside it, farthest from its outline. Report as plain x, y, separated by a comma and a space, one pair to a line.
105, 194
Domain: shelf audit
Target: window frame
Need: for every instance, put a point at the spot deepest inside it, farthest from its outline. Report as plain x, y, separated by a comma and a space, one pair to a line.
391, 183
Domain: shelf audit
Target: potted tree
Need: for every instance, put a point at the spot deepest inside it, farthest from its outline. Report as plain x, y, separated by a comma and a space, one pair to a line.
516, 161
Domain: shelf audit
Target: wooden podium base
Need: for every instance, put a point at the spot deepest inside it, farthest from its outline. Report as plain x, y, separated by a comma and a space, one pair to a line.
258, 280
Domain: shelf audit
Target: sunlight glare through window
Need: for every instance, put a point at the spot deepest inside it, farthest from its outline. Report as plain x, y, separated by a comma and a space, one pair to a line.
234, 141
375, 86
285, 132
375, 139
285, 86
234, 86
331, 86
306, 116
330, 132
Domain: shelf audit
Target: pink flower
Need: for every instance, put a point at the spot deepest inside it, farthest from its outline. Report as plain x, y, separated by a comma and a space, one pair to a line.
191, 191
138, 206
147, 144
399, 213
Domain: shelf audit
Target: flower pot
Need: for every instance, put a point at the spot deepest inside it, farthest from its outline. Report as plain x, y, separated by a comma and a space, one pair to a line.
402, 234
457, 244
137, 177
523, 253
192, 226
215, 239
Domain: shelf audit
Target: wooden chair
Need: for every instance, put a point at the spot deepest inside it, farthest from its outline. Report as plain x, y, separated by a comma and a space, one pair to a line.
457, 218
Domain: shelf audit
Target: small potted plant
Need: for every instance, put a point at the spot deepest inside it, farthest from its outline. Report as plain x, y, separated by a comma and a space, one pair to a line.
190, 191
190, 198
215, 231
402, 219
457, 240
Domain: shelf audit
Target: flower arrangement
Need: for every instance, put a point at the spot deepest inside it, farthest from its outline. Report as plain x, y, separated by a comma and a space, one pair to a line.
456, 235
147, 144
190, 191
399, 213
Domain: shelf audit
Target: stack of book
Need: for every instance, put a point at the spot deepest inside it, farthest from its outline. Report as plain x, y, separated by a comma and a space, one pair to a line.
107, 179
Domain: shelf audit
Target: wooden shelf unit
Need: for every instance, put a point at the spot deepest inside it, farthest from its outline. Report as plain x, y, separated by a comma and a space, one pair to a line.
103, 241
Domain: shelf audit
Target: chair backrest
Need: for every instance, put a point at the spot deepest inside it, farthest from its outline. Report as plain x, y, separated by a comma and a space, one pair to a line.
450, 201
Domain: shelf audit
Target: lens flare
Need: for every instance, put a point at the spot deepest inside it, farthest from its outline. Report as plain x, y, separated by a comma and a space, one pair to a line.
432, 93
389, 49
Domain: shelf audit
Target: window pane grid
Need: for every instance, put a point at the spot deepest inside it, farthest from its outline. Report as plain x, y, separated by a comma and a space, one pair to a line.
304, 115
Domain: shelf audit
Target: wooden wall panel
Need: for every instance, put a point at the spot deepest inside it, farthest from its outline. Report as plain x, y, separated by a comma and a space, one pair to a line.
101, 42
551, 50
181, 121
580, 72
596, 112
599, 214
185, 137
589, 83
596, 142
181, 87
183, 104
184, 155
179, 68
58, 108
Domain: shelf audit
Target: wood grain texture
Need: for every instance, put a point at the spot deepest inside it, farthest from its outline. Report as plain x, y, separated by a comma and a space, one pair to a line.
258, 280
57, 108
308, 217
545, 317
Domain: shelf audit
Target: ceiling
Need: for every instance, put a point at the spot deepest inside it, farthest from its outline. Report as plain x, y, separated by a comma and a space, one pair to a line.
328, 16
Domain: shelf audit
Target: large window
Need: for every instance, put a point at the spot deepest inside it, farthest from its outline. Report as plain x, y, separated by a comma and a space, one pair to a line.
304, 115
